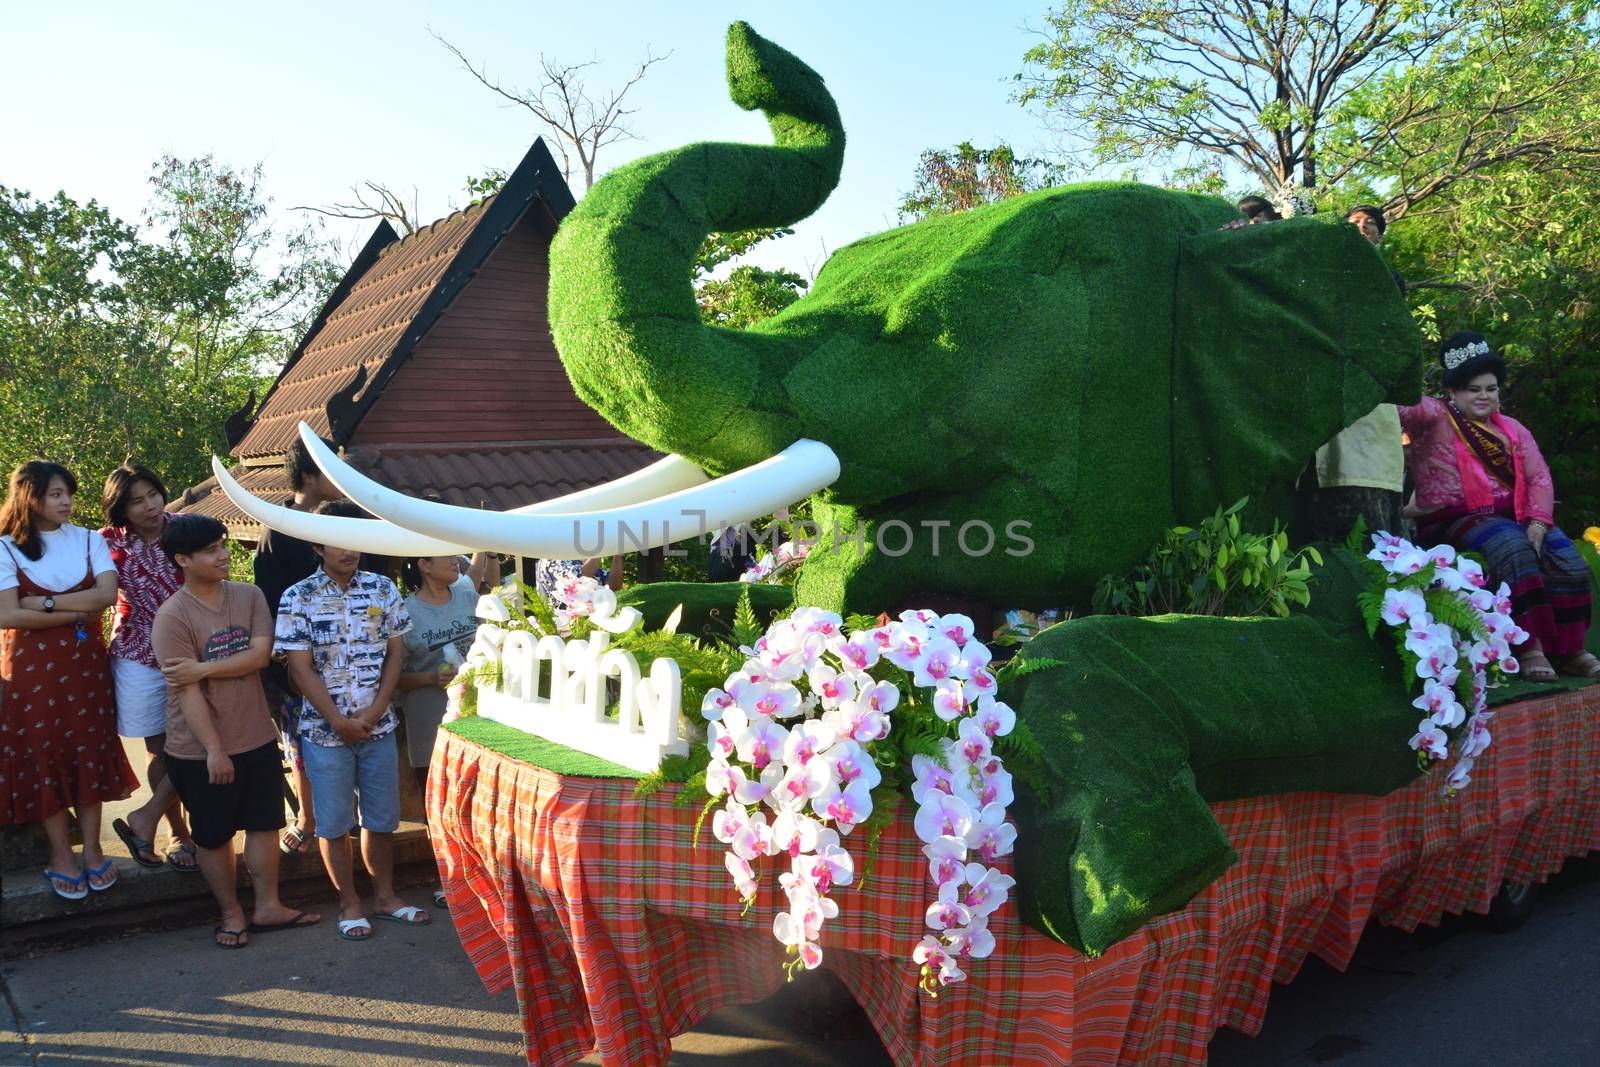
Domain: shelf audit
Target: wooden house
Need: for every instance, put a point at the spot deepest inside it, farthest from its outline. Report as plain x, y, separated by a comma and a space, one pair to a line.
432, 366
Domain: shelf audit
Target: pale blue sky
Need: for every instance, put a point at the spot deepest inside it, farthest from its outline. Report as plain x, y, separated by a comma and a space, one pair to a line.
331, 94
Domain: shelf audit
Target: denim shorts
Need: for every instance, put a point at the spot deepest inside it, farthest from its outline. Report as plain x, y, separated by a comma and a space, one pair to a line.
339, 772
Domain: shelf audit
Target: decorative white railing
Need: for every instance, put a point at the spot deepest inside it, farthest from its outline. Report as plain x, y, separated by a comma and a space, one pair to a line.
557, 689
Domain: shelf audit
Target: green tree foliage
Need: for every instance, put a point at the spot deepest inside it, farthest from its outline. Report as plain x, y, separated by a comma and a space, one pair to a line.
746, 294
117, 340
1513, 255
1270, 89
964, 177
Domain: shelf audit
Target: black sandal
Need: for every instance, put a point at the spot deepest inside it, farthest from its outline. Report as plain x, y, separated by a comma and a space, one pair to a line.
218, 932
137, 846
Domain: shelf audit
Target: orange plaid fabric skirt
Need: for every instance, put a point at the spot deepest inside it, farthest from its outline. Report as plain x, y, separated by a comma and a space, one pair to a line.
617, 934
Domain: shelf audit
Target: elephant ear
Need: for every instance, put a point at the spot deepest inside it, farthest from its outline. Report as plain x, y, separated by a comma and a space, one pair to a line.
1284, 334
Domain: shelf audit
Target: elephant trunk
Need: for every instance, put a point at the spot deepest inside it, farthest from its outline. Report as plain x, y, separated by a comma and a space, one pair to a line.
622, 306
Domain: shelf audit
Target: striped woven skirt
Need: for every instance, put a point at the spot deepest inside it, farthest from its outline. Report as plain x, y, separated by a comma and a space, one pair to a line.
1550, 591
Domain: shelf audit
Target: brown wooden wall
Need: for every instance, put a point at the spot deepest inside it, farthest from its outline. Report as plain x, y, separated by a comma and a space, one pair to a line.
487, 372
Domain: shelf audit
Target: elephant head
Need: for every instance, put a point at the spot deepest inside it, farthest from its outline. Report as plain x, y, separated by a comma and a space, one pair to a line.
1007, 402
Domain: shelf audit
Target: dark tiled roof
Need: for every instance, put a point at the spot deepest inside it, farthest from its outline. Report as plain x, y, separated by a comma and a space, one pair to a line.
495, 479
360, 335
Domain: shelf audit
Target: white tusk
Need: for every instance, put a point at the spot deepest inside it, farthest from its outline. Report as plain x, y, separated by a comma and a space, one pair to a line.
756, 491
358, 535
663, 476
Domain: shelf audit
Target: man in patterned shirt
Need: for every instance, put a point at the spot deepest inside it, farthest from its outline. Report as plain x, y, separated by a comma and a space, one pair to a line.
341, 630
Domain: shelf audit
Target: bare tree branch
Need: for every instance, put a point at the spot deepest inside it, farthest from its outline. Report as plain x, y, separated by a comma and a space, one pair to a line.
560, 101
373, 200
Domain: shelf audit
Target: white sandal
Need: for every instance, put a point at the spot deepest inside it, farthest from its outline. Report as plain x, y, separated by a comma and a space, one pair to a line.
411, 916
347, 925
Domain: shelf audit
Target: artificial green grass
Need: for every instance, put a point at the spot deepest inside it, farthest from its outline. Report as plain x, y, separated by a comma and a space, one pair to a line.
530, 748
1148, 721
1095, 362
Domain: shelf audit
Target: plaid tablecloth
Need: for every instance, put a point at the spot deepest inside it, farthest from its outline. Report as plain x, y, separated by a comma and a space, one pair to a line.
616, 934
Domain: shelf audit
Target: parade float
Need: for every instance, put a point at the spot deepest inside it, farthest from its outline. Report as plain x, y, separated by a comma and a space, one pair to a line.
1096, 852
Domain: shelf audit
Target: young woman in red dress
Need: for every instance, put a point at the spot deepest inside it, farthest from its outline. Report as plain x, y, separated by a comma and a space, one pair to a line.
59, 747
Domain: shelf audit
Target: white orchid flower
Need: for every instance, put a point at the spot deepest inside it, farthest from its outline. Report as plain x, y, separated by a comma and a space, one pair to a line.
991, 835
722, 777
995, 786
949, 700
942, 815
996, 717
942, 914
758, 790
1431, 740
849, 762
905, 645
1405, 606
973, 941
973, 743
1440, 703
772, 700
986, 889
858, 652
947, 859
744, 878
831, 687
761, 742
806, 740
817, 621
847, 805
956, 628
980, 684
975, 657
794, 832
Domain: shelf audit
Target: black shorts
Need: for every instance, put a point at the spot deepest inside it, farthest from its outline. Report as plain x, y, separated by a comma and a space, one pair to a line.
252, 801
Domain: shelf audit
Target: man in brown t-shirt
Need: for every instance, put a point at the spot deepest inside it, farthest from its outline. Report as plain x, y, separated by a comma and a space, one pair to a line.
211, 639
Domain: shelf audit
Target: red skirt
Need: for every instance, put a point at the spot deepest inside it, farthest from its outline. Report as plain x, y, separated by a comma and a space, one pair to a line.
58, 725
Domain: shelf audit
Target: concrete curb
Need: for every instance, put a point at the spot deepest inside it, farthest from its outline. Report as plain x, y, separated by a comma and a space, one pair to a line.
33, 918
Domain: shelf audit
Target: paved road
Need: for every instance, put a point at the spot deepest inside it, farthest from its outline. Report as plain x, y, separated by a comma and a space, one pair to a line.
408, 996
1461, 995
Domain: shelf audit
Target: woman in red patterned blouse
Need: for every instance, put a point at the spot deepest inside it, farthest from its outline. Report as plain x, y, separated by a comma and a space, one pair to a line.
135, 503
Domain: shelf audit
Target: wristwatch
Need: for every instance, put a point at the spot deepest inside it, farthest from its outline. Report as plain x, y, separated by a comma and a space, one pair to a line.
49, 603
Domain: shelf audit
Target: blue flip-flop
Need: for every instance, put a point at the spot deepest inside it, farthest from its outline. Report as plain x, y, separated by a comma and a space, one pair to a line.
80, 881
100, 872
